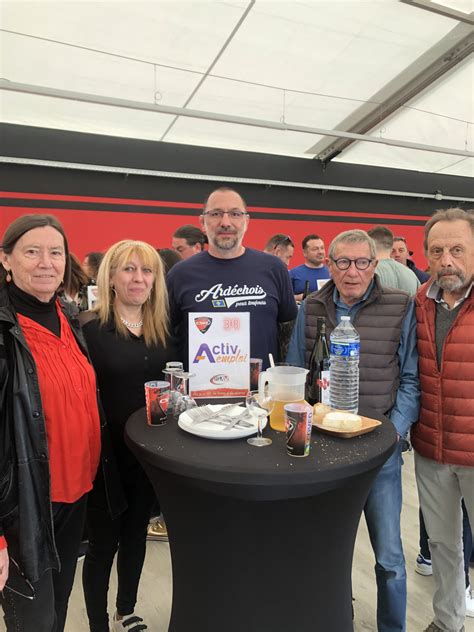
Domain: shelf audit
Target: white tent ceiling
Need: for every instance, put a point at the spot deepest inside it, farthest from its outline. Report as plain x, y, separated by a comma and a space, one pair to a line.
401, 71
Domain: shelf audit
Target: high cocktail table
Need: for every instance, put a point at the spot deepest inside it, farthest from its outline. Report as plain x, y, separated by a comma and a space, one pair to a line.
260, 541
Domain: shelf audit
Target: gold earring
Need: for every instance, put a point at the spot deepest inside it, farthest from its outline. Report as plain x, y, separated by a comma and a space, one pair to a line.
8, 277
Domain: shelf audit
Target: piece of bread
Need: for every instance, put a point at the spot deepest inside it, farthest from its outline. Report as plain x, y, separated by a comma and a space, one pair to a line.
319, 410
342, 421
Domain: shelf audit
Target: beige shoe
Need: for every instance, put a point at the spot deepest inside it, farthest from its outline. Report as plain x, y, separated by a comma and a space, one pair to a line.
157, 530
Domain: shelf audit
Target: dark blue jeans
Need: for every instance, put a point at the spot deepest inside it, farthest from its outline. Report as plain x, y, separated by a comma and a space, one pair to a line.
382, 514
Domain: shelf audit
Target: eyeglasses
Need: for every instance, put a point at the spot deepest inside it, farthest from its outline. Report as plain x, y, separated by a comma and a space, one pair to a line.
23, 586
285, 239
344, 264
218, 214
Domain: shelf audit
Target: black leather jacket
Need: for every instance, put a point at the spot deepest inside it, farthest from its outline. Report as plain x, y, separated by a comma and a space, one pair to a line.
25, 502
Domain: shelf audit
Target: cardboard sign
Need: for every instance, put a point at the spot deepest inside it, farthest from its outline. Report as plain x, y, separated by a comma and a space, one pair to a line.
219, 354
321, 283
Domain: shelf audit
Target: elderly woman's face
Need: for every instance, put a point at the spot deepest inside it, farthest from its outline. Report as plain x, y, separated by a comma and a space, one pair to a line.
37, 262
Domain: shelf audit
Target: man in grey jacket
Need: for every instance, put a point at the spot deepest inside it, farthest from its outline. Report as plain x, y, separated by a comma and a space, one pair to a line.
388, 385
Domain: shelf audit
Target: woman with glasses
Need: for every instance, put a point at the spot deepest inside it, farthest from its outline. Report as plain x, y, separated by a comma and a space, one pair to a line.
127, 336
50, 441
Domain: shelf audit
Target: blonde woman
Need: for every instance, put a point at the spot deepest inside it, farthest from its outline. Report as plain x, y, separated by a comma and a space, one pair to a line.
128, 342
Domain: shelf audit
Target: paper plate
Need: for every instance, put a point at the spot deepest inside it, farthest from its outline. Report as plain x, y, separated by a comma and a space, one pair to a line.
210, 430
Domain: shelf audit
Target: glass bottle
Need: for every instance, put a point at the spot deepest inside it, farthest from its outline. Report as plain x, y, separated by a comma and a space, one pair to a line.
318, 376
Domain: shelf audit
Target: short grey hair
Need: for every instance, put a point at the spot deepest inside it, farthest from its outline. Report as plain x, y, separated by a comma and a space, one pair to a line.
353, 237
448, 215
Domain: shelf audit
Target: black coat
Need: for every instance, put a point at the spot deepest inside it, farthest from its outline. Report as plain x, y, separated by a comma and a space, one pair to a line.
25, 501
422, 277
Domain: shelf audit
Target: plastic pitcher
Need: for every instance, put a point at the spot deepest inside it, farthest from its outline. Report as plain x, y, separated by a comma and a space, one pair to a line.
286, 384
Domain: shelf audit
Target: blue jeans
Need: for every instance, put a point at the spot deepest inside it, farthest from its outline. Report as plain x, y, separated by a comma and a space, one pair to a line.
382, 513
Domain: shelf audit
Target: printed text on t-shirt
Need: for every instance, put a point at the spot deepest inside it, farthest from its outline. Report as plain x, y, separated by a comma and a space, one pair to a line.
228, 296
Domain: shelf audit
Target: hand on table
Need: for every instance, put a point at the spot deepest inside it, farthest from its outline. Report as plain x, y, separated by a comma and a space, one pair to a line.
3, 567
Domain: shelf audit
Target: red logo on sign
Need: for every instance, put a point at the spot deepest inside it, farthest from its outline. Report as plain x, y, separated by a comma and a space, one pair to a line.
203, 324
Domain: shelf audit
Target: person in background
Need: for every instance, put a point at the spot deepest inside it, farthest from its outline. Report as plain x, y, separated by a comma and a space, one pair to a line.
169, 258
128, 341
188, 240
213, 279
49, 426
313, 268
443, 438
390, 272
388, 385
401, 253
75, 290
91, 265
281, 246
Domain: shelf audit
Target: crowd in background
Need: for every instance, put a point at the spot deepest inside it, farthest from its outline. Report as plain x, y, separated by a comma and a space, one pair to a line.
108, 322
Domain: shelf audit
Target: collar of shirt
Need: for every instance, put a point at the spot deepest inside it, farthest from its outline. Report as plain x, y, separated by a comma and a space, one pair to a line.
436, 293
349, 310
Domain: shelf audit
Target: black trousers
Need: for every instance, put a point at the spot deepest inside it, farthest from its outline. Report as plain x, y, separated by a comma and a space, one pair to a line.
47, 611
127, 535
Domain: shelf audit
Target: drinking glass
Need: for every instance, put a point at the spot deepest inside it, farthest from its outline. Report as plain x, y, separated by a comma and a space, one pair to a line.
185, 401
259, 406
171, 370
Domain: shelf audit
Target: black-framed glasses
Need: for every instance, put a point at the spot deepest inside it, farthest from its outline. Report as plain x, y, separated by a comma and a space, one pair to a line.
286, 239
343, 263
17, 583
219, 214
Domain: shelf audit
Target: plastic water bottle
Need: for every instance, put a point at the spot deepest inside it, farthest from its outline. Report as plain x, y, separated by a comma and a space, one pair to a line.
344, 367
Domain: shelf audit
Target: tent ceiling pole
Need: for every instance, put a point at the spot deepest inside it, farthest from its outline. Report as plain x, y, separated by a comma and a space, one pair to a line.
441, 9
445, 55
224, 178
225, 118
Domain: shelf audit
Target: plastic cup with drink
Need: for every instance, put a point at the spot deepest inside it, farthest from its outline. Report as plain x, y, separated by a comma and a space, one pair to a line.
298, 421
157, 397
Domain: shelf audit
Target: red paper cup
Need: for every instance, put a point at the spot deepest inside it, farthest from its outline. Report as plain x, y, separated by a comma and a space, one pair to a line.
157, 397
255, 370
298, 422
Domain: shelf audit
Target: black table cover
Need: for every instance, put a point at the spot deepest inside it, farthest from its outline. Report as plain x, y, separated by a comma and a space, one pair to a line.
260, 541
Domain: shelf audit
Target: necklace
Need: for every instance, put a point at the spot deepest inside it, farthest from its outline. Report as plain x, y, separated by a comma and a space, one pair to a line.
131, 325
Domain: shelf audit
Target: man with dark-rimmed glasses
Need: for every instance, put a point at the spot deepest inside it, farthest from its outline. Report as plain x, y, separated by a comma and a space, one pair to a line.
230, 277
388, 385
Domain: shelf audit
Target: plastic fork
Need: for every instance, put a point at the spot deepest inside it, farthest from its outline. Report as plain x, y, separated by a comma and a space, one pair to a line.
239, 419
204, 413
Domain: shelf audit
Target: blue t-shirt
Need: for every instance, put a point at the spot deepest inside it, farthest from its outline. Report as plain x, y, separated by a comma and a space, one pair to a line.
303, 273
254, 282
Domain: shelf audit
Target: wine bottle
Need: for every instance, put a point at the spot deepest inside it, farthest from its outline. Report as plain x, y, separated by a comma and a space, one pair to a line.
306, 290
318, 376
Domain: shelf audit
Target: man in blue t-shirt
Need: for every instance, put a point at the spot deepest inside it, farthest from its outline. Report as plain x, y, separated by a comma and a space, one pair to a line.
313, 268
231, 277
